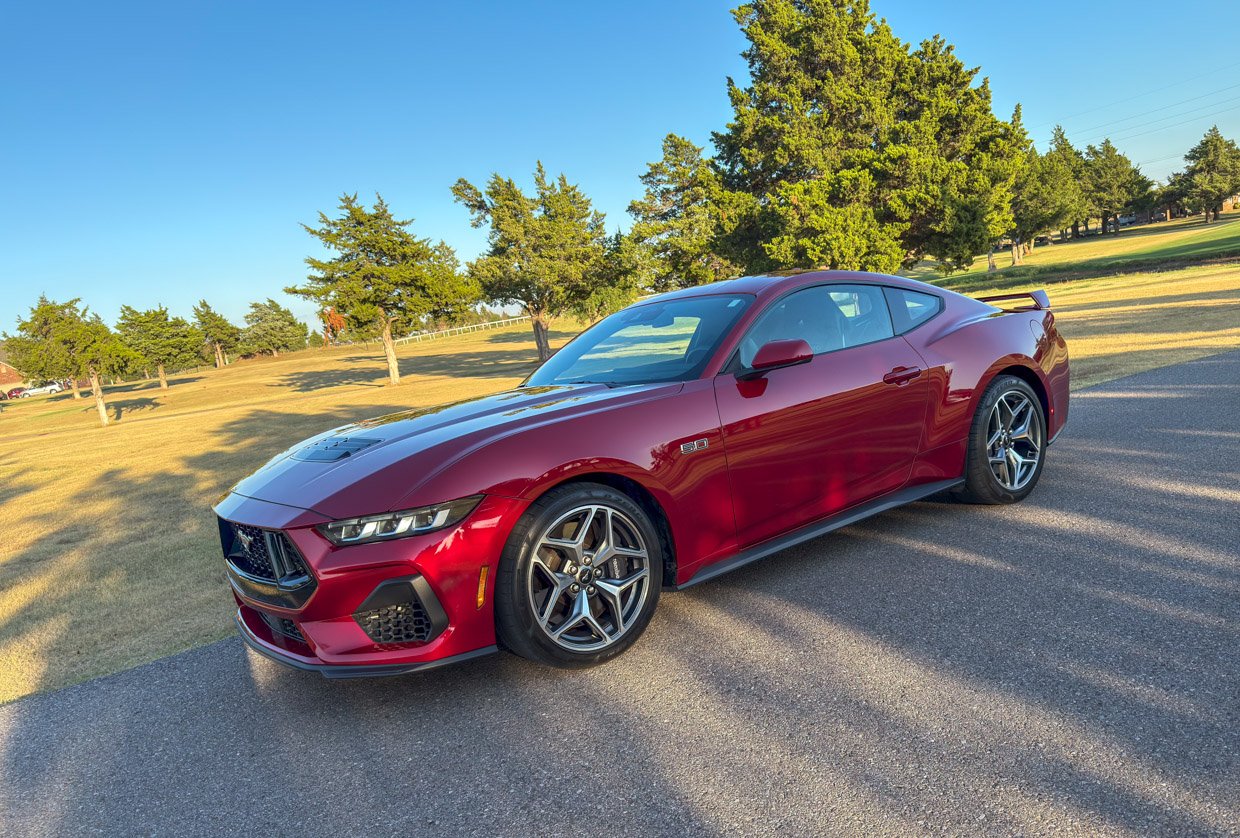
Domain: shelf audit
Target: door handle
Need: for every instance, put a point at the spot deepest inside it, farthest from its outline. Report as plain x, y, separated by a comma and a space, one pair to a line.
901, 375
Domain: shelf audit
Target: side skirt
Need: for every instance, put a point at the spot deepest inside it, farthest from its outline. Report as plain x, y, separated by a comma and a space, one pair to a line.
818, 528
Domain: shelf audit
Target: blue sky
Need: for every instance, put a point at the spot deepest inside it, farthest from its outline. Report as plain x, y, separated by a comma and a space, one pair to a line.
164, 152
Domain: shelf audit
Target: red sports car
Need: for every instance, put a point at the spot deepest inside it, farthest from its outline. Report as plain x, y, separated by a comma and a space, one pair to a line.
682, 437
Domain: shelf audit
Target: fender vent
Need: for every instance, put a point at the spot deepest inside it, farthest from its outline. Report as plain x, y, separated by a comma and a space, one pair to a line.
333, 448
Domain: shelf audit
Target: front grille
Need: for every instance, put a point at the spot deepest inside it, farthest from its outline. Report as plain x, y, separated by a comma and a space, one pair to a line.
249, 552
404, 622
283, 625
265, 555
265, 565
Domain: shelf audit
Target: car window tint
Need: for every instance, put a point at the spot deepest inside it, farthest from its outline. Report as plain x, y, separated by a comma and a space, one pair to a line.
670, 340
639, 345
827, 317
911, 308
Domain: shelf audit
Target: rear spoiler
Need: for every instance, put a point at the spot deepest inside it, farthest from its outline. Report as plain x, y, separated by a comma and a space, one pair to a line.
1040, 300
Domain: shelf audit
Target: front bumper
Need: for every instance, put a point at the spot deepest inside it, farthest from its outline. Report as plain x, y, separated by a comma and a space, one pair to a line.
327, 629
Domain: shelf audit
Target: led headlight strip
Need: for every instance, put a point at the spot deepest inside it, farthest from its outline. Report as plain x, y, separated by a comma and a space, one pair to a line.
399, 524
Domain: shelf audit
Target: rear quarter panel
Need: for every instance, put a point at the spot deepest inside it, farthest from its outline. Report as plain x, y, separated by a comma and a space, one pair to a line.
965, 348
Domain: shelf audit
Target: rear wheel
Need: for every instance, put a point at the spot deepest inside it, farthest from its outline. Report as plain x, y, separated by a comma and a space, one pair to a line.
1007, 444
579, 578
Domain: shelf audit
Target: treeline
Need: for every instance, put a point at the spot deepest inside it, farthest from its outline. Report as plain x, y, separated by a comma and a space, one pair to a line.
847, 149
67, 342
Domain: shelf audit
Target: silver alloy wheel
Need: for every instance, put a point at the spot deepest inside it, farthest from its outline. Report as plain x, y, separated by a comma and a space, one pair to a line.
1014, 440
589, 578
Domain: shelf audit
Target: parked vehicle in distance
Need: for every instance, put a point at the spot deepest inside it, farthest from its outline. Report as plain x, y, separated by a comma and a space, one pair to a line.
16, 392
675, 440
46, 389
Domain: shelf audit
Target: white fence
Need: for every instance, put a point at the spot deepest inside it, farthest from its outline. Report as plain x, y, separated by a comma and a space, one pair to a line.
460, 330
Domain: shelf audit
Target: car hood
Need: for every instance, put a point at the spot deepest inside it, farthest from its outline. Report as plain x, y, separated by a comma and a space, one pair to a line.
371, 466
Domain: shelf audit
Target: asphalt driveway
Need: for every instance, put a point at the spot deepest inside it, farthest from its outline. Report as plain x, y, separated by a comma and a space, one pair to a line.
1070, 665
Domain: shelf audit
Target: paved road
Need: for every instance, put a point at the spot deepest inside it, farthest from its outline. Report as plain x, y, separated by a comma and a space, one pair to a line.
1070, 665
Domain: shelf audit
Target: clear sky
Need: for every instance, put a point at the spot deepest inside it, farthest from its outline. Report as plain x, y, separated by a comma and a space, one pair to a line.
164, 152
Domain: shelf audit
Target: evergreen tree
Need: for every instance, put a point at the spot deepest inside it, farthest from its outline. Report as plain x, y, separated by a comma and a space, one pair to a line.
41, 348
857, 151
222, 336
270, 327
679, 218
1213, 172
159, 340
68, 339
545, 250
1112, 182
383, 278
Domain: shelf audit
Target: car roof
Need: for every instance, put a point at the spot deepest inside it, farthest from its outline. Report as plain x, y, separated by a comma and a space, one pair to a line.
774, 284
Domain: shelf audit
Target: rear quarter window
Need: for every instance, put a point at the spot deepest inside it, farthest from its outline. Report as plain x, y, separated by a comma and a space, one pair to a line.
909, 309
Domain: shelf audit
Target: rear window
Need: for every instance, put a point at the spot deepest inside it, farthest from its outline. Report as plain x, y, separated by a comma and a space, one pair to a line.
909, 309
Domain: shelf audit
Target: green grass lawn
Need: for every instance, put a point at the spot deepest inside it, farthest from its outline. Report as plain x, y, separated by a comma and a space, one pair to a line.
1149, 247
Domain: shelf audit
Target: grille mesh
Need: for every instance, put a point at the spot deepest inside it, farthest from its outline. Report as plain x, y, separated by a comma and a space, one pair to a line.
405, 622
249, 552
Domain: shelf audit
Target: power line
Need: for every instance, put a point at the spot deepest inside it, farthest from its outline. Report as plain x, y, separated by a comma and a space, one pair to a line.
1188, 116
1163, 108
1159, 159
1140, 95
1176, 125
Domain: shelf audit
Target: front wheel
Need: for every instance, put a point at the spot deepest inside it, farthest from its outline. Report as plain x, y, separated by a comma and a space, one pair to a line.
579, 578
1007, 444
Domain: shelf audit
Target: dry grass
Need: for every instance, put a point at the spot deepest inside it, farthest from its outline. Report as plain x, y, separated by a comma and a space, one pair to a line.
109, 555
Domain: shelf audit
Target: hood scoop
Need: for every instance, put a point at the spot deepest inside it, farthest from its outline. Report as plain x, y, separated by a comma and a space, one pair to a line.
333, 448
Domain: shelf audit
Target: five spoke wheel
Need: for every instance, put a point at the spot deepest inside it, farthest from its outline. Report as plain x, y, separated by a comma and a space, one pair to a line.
1014, 440
588, 578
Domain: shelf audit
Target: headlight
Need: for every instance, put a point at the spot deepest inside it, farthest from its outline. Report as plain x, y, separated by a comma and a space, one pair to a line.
399, 524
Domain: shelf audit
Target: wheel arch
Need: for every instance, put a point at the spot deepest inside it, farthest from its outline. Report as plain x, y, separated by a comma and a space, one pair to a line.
1030, 377
643, 497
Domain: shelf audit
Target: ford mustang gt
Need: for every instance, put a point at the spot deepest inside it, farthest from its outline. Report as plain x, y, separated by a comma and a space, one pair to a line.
682, 437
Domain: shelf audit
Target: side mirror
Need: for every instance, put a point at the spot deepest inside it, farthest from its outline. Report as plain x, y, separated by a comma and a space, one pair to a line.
779, 353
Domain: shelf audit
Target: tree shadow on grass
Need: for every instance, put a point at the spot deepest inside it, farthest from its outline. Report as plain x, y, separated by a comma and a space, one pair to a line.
122, 407
475, 364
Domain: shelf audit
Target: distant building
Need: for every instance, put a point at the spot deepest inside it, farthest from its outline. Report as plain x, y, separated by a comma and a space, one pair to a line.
9, 377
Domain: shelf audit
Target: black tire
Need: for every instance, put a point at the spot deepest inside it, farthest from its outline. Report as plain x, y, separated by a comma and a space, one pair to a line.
517, 625
982, 485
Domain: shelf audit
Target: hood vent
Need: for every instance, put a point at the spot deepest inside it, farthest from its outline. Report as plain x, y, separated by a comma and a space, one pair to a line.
333, 448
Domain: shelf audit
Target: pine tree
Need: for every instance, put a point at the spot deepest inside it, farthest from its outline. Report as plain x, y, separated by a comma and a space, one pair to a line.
219, 333
545, 251
1213, 172
272, 328
679, 219
68, 339
383, 278
159, 340
857, 151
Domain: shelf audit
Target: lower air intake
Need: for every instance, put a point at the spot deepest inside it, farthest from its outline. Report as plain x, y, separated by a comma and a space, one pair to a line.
403, 610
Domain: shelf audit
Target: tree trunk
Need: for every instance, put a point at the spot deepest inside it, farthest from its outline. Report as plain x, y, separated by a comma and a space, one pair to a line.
275, 353
77, 391
96, 388
1029, 245
1076, 229
219, 356
389, 350
1087, 226
226, 361
990, 260
163, 378
541, 340
1015, 252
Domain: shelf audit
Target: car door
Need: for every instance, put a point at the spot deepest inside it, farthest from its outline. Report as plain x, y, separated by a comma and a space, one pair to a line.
810, 440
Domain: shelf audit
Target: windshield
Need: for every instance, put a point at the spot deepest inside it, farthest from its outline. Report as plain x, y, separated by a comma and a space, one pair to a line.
661, 341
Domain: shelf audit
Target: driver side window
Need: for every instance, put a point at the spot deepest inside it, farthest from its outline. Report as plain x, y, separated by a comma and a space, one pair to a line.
827, 317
